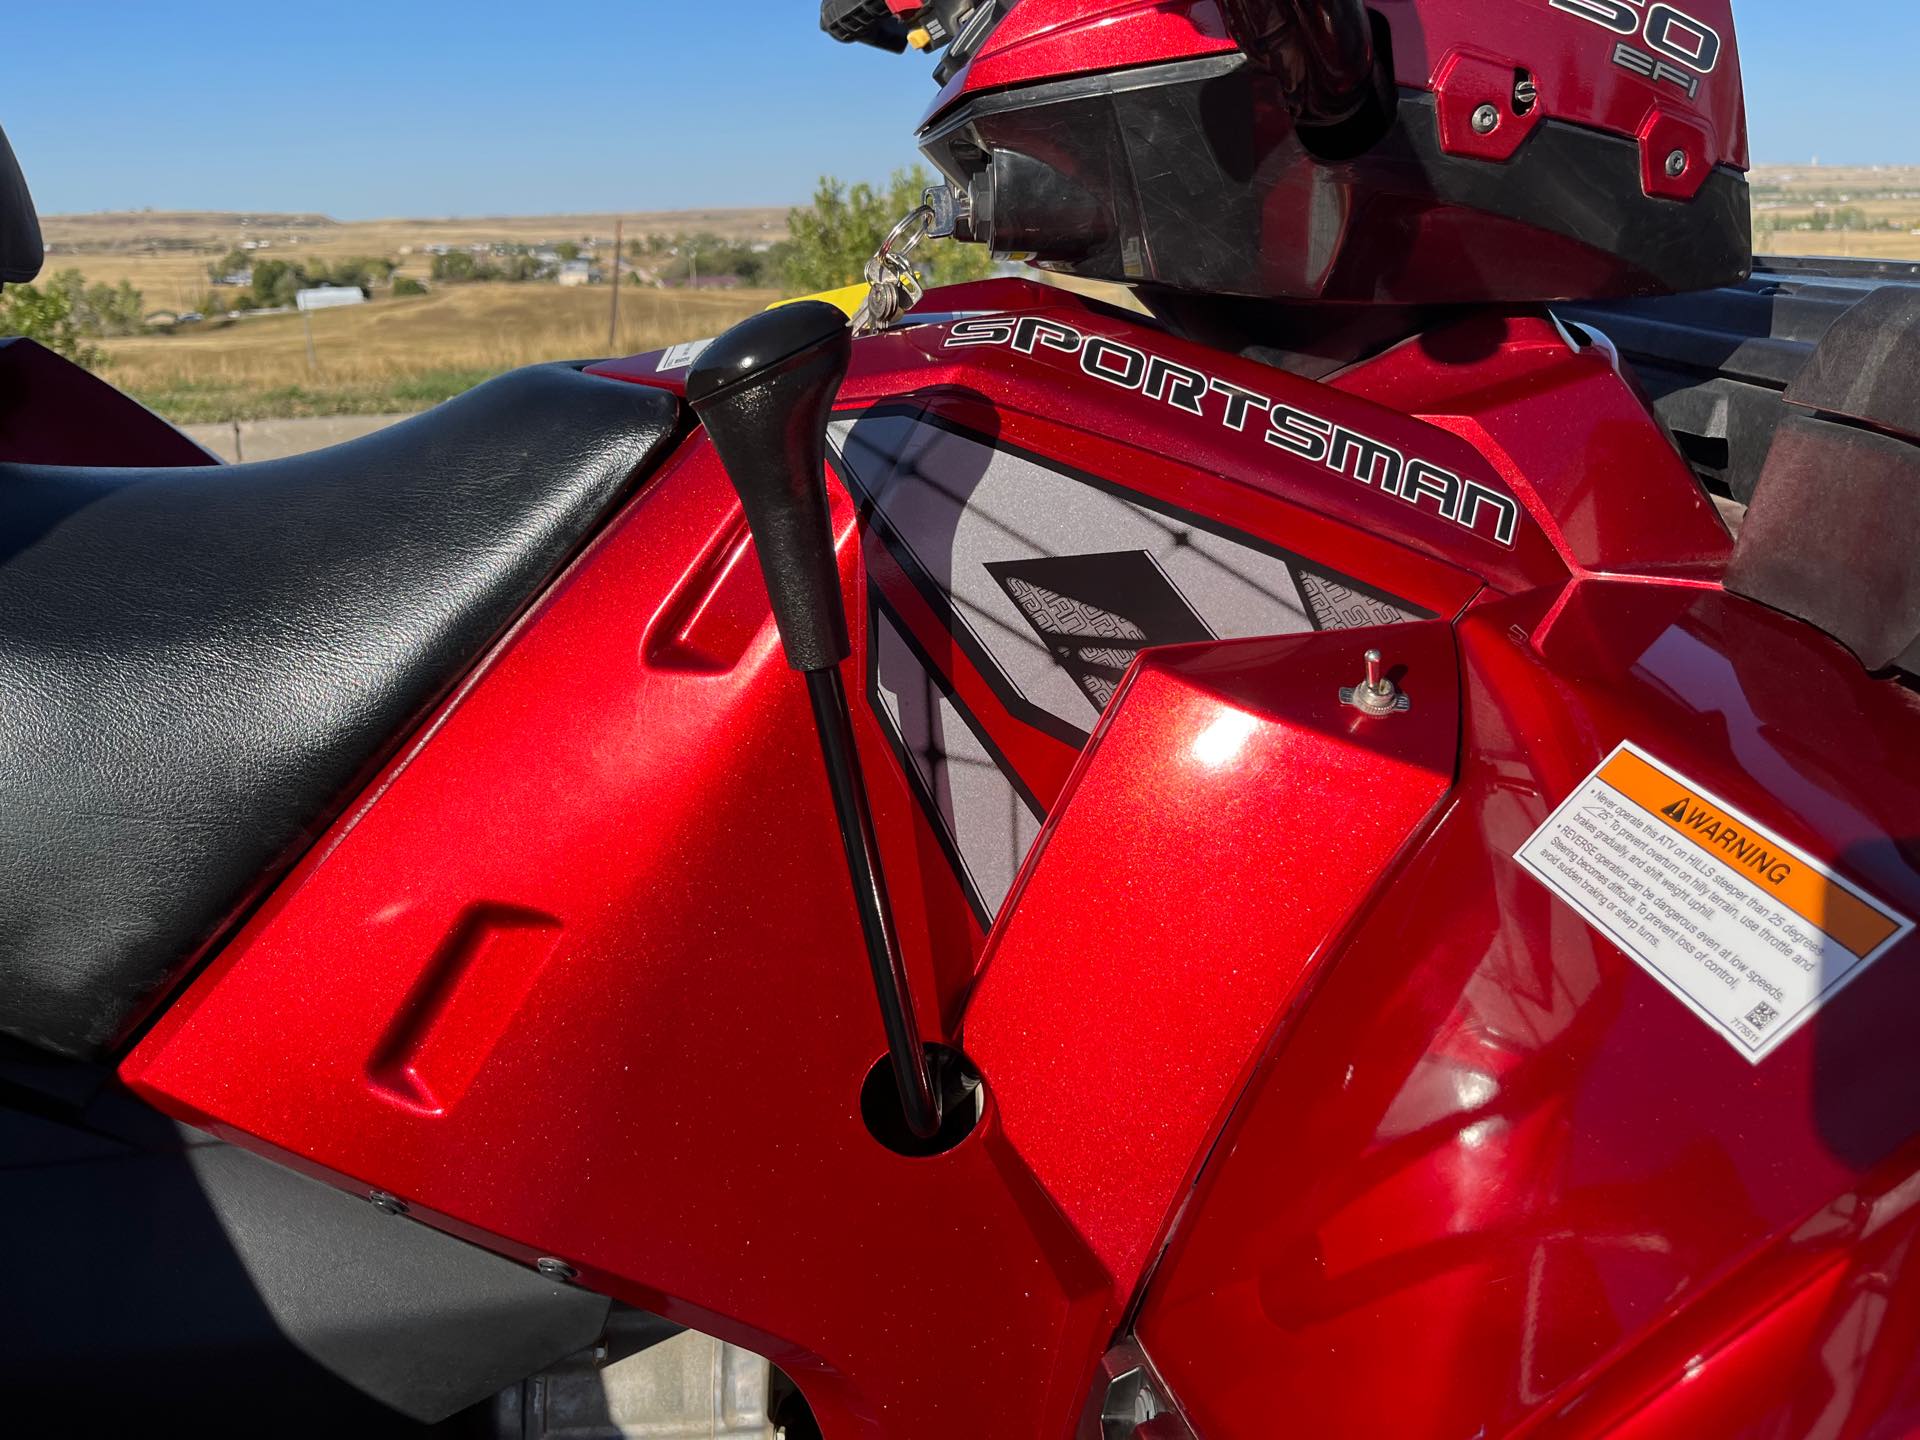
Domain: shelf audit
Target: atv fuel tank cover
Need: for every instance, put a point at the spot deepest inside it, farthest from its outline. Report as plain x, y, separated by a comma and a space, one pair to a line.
1459, 499
1746, 930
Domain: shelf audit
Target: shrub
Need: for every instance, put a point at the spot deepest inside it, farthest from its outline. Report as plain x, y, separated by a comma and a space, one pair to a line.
47, 315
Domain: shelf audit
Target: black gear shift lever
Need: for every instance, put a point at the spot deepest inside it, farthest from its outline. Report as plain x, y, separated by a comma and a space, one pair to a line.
763, 391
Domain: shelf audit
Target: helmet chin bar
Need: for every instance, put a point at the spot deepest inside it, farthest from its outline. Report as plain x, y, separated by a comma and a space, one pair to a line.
1193, 175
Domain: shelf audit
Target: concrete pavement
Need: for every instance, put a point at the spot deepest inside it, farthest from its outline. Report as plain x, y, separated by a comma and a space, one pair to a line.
271, 439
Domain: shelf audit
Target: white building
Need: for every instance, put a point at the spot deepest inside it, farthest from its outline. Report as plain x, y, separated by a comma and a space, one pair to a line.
326, 297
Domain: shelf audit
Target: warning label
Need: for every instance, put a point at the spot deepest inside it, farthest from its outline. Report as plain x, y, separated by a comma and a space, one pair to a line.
679, 357
1750, 933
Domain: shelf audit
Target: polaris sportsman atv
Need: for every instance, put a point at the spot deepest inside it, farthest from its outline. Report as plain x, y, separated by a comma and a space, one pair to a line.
1376, 793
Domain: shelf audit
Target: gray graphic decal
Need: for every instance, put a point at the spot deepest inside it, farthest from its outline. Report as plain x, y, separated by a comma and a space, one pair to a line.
1338, 606
951, 508
1050, 584
986, 823
1094, 613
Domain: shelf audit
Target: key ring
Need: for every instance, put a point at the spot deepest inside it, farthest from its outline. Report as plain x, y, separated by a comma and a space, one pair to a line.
921, 216
892, 287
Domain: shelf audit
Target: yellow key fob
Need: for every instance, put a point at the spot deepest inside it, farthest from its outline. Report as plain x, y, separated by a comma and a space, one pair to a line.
848, 298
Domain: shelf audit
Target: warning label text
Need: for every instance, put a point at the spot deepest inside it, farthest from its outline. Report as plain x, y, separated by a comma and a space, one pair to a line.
1749, 932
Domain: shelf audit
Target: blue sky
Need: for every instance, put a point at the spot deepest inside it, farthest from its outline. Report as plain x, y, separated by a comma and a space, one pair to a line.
431, 107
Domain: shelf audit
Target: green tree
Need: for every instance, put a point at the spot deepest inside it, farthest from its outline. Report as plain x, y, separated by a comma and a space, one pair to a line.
751, 266
100, 309
407, 285
567, 250
106, 309
833, 238
459, 266
365, 271
772, 267
520, 266
231, 263
831, 241
707, 254
46, 315
275, 282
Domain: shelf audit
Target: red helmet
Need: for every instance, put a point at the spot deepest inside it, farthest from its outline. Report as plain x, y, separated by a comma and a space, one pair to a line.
1399, 152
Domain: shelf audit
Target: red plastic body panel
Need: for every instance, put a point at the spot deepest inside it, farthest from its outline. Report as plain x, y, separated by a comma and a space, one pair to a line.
1566, 430
578, 975
1199, 462
1571, 60
1466, 80
1233, 770
1480, 1169
59, 413
1568, 50
672, 1105
1048, 39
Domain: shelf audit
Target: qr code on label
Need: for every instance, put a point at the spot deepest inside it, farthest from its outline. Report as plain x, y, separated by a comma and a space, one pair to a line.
1762, 1015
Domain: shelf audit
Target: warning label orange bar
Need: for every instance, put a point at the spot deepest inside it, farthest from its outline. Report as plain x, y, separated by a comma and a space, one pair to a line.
1782, 872
1751, 934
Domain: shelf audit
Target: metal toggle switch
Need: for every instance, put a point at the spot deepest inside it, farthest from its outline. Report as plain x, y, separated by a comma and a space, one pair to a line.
1377, 694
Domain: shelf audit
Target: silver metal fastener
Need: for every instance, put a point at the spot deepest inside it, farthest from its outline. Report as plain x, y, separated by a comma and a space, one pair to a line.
1377, 694
386, 1202
1486, 119
555, 1269
1677, 164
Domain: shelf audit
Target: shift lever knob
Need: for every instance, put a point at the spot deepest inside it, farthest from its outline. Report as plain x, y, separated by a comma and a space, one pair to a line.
763, 390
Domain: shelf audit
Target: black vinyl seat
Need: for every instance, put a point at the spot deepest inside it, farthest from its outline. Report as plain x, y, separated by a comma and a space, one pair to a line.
197, 663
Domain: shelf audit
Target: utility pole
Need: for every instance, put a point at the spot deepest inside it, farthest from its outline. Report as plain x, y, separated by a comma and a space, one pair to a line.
613, 319
306, 317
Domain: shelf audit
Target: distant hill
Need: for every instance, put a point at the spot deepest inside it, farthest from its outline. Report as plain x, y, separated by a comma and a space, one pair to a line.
1820, 178
215, 231
1848, 210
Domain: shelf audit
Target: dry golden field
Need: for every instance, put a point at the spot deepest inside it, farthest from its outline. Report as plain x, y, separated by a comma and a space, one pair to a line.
389, 354
401, 354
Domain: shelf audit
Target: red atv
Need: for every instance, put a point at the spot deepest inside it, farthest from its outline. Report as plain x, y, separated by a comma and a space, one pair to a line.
1378, 794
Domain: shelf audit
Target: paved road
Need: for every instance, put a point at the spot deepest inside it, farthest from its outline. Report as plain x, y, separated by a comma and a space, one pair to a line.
270, 439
